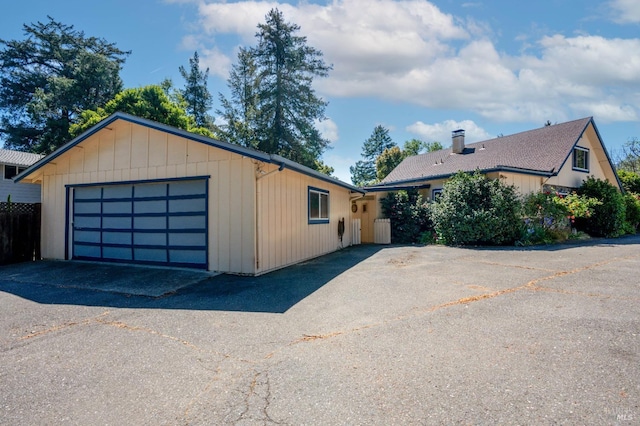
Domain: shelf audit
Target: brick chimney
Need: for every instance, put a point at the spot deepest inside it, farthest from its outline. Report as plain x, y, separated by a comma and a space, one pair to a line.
457, 138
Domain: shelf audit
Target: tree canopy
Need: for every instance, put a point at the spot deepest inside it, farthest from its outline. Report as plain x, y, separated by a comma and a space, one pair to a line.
273, 106
149, 102
363, 173
48, 79
195, 93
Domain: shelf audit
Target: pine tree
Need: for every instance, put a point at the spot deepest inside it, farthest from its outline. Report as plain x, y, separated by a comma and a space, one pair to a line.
273, 106
195, 93
364, 171
240, 112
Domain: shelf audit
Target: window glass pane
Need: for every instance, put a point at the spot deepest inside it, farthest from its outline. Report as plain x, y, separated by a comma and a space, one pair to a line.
580, 159
314, 205
324, 206
9, 171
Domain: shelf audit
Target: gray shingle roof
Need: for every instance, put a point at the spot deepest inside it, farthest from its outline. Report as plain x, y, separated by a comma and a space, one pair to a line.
17, 158
541, 150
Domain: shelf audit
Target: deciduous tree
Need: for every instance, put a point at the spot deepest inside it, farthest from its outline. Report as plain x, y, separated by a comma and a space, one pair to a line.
149, 102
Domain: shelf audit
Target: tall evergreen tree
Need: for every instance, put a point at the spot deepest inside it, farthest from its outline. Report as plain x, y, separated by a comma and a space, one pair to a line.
195, 93
273, 105
48, 79
240, 112
364, 171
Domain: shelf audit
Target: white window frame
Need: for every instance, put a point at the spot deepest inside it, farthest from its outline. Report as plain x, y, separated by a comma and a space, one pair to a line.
574, 160
323, 209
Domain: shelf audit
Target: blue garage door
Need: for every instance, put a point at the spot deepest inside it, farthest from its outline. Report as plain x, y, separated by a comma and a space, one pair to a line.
160, 223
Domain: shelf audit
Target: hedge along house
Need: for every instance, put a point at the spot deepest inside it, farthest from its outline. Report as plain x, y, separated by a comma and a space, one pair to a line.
558, 156
136, 191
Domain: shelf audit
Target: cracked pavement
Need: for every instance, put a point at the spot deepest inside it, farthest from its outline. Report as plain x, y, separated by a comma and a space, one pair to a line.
369, 335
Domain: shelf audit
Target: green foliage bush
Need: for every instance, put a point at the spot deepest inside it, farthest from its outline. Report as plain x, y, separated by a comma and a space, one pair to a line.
632, 212
477, 210
549, 215
409, 216
608, 217
630, 181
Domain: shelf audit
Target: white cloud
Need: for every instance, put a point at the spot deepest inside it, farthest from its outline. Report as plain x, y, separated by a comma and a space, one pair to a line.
441, 132
328, 129
409, 51
626, 11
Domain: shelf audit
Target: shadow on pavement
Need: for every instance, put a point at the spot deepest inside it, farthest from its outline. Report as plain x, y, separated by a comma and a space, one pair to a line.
88, 284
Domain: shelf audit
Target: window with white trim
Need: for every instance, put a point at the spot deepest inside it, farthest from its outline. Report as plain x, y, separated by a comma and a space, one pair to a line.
11, 171
318, 205
436, 193
581, 159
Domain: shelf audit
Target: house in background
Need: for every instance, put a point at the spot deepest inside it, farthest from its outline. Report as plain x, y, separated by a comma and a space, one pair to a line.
559, 156
131, 190
11, 164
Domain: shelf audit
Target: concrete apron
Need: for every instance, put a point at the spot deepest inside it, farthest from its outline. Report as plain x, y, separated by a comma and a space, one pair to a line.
111, 278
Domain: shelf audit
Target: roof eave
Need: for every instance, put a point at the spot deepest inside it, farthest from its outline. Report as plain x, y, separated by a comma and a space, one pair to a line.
237, 149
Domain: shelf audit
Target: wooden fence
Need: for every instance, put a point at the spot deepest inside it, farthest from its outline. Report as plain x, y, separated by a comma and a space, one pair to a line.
19, 232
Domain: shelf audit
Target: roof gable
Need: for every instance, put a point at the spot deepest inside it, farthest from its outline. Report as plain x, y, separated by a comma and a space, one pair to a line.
540, 151
247, 152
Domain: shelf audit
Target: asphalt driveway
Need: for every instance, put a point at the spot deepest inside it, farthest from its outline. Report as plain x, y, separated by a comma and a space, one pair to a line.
369, 335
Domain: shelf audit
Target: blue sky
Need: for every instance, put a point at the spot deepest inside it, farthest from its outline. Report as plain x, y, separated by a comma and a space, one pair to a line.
419, 68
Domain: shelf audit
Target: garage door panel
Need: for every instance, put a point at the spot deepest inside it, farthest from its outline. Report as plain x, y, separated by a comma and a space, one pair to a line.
150, 222
88, 207
117, 191
187, 206
87, 222
153, 206
189, 239
138, 223
117, 253
187, 222
187, 188
122, 238
150, 255
187, 256
88, 192
150, 239
144, 190
113, 223
118, 207
88, 236
86, 251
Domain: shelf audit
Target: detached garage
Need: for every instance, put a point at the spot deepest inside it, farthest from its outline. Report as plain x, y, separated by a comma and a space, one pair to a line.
130, 190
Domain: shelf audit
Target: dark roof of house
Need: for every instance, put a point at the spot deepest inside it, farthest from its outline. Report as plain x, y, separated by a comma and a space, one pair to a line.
238, 149
18, 158
540, 151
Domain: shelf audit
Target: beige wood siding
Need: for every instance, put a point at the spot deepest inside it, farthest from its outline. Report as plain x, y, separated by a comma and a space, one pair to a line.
128, 152
525, 184
285, 235
599, 166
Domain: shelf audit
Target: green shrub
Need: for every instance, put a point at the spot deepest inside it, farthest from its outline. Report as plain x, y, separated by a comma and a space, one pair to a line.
549, 216
475, 210
632, 212
409, 216
630, 181
608, 217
